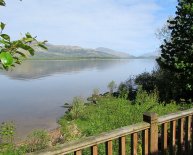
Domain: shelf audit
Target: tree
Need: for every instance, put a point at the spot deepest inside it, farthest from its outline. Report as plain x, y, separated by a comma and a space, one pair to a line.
13, 52
177, 52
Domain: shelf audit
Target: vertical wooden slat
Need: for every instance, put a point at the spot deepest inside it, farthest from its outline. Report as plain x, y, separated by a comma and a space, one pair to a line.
187, 134
164, 138
145, 142
173, 137
180, 135
122, 146
79, 152
109, 148
134, 140
94, 150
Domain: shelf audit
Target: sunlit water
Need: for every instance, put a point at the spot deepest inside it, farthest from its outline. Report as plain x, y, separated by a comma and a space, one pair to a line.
32, 95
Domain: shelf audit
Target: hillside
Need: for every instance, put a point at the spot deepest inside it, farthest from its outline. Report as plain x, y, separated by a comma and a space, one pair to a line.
67, 52
115, 53
150, 55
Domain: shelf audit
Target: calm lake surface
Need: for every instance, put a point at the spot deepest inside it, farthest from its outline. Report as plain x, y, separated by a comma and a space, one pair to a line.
32, 95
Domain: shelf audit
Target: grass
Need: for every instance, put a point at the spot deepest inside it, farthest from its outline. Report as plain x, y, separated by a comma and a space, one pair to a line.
110, 113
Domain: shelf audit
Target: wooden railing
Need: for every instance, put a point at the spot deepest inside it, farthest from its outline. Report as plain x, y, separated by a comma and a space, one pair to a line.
169, 134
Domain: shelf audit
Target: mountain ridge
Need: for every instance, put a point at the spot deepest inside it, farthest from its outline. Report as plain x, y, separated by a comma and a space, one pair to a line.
68, 51
77, 52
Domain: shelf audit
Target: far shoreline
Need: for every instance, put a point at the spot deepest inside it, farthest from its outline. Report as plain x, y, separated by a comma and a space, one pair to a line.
90, 58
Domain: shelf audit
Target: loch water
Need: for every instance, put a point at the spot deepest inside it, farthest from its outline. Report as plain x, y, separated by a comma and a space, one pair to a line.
33, 94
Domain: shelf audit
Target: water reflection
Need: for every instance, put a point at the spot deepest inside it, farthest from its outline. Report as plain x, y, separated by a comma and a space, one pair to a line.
40, 68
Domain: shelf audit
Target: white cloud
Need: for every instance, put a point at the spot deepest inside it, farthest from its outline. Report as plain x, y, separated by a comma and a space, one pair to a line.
127, 25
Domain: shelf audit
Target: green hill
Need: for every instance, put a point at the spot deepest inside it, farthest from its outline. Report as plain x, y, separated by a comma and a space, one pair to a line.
72, 52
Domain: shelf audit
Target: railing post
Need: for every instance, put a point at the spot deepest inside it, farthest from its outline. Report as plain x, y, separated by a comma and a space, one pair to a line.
152, 119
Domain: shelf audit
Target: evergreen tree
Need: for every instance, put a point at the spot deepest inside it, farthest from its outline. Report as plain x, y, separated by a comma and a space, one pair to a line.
177, 53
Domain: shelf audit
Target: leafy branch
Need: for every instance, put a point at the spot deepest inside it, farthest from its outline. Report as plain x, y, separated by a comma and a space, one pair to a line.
13, 52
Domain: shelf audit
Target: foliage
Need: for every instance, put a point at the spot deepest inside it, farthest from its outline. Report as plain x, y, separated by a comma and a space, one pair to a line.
77, 108
147, 81
7, 132
37, 140
70, 130
2, 3
118, 112
176, 53
95, 96
123, 91
164, 81
13, 52
112, 86
128, 89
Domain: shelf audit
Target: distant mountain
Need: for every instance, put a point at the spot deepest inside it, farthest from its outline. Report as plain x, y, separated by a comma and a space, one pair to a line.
65, 52
150, 55
115, 53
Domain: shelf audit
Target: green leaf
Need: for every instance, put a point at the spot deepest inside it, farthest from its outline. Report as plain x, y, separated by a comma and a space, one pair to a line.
6, 59
21, 53
27, 48
28, 35
28, 39
2, 26
5, 36
6, 43
42, 46
2, 3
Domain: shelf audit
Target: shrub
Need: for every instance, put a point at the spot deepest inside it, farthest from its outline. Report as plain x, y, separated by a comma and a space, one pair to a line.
77, 108
70, 130
128, 89
147, 81
168, 85
37, 140
95, 96
7, 132
123, 91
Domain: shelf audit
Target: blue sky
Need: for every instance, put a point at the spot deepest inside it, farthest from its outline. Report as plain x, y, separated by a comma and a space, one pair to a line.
123, 25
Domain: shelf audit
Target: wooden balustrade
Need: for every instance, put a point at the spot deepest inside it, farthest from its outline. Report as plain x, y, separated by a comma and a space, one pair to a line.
169, 134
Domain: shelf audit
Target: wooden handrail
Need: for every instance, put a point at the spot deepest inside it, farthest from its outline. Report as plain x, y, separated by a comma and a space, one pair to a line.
174, 116
94, 140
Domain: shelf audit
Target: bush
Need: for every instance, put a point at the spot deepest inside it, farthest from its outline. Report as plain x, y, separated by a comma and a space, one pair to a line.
37, 140
128, 89
147, 81
77, 108
95, 96
70, 130
167, 84
7, 131
123, 91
